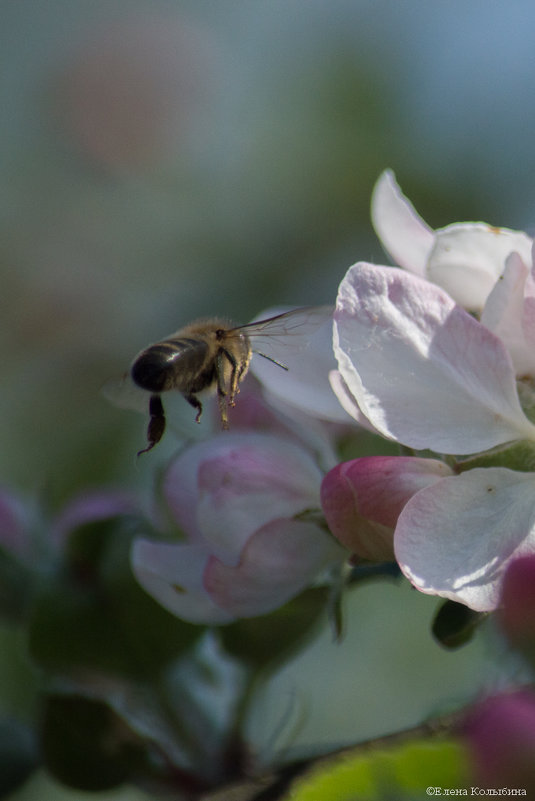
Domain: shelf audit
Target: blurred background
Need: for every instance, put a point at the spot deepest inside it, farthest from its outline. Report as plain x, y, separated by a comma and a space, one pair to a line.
163, 160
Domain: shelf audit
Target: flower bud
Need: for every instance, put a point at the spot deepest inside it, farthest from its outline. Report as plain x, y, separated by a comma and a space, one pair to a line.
363, 498
501, 739
517, 612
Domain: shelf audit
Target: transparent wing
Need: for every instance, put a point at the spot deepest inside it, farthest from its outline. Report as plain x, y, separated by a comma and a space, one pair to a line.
285, 326
301, 341
122, 392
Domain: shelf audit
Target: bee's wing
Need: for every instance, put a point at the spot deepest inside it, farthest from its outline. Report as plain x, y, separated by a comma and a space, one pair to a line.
301, 341
287, 325
122, 392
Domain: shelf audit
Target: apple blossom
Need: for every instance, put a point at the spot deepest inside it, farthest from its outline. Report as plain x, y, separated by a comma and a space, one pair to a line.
241, 501
428, 374
466, 259
420, 368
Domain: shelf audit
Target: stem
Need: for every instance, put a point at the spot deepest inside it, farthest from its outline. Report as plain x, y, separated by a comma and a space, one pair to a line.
274, 786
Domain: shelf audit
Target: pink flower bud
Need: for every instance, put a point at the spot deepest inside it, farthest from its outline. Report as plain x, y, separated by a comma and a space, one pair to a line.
517, 612
362, 499
501, 739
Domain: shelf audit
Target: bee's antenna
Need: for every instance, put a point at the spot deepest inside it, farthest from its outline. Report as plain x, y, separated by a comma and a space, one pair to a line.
271, 359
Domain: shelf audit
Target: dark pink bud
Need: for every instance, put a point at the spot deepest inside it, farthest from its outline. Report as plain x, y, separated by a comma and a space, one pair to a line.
362, 499
517, 612
501, 739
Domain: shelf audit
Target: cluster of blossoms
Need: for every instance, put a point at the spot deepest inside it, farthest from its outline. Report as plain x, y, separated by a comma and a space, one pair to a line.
245, 503
440, 356
437, 354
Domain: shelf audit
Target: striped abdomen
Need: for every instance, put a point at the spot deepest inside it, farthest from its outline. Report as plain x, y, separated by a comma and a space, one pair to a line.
180, 364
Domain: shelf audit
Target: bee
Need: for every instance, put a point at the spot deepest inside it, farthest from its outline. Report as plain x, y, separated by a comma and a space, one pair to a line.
210, 355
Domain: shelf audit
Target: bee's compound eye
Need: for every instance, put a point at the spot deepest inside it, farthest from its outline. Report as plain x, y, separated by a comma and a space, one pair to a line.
150, 370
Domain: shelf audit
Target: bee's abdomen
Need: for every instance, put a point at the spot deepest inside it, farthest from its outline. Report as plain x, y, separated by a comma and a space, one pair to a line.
168, 365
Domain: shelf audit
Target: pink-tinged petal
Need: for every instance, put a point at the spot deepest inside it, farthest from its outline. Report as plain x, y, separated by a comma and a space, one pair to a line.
224, 489
517, 604
468, 258
455, 538
501, 737
278, 562
422, 369
306, 351
172, 575
362, 499
403, 233
347, 401
92, 507
510, 313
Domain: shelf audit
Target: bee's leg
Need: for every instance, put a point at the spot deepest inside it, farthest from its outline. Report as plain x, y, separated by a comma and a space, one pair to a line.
194, 401
156, 425
222, 393
235, 375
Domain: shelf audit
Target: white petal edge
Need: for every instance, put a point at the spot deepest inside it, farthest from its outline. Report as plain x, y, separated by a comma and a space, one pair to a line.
454, 539
405, 236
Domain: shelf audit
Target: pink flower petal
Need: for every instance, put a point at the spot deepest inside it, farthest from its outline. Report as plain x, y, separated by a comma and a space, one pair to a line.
362, 499
226, 488
172, 574
279, 560
403, 233
468, 258
455, 538
91, 507
422, 369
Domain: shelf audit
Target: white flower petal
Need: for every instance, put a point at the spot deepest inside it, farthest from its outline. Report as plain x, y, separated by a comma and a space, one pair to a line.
420, 368
173, 575
468, 258
403, 233
347, 400
509, 313
455, 538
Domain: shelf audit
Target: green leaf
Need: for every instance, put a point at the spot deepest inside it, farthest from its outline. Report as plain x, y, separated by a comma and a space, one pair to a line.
84, 744
518, 456
402, 773
273, 638
101, 618
454, 624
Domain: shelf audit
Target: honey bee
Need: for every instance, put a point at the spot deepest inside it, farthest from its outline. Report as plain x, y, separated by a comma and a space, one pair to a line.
207, 355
